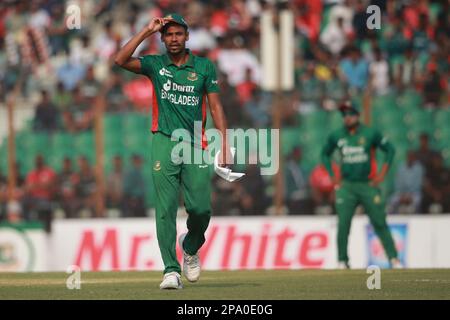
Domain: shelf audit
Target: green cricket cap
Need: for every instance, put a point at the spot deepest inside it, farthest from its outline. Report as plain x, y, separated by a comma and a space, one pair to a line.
175, 18
349, 107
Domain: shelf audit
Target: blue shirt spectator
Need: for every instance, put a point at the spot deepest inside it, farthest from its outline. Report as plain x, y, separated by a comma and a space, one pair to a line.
355, 70
70, 74
408, 185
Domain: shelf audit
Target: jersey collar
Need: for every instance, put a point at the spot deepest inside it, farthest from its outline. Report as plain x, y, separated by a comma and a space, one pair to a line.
189, 62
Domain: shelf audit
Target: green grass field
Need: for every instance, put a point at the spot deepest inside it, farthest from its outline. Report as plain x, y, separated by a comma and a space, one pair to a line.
236, 285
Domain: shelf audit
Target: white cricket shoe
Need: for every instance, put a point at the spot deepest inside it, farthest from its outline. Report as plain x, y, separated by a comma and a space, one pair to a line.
396, 264
191, 264
172, 280
342, 265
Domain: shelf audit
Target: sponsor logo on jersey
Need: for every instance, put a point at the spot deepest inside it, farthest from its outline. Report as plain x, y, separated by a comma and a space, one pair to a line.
354, 154
165, 72
362, 141
172, 86
167, 85
341, 142
192, 76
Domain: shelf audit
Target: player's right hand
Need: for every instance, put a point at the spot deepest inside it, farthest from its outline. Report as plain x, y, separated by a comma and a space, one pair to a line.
336, 182
156, 24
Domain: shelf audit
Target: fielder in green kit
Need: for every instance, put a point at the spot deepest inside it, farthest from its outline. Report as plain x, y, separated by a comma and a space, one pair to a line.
181, 82
359, 180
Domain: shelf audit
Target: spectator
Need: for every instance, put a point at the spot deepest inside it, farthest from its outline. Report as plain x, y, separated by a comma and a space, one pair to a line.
39, 18
311, 91
424, 153
354, 69
257, 108
81, 52
62, 99
408, 186
117, 100
379, 74
80, 114
106, 43
40, 192
229, 98
421, 38
14, 211
234, 60
225, 197
393, 40
46, 115
297, 186
335, 90
360, 20
437, 187
200, 38
239, 17
407, 73
432, 87
134, 189
67, 188
114, 185
308, 17
57, 30
343, 11
90, 86
70, 74
11, 204
87, 186
252, 199
245, 89
335, 36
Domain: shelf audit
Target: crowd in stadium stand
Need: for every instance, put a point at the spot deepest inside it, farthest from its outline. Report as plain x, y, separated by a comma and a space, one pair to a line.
337, 58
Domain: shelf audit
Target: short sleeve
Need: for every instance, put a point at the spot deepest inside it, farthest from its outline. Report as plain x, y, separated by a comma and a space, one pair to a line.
379, 139
211, 84
147, 64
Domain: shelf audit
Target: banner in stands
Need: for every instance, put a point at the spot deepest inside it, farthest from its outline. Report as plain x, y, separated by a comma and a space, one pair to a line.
249, 243
23, 247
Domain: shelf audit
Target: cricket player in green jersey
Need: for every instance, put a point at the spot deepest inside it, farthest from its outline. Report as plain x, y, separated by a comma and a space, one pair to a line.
359, 180
181, 82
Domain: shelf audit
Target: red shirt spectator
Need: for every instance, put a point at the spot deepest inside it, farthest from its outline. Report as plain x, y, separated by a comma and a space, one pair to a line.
39, 182
412, 13
308, 17
245, 89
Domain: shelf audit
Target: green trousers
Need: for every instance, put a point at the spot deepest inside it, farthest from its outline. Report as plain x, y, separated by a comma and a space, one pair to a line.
194, 180
348, 196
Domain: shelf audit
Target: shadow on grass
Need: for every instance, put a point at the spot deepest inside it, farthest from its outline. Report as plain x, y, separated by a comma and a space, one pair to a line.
225, 285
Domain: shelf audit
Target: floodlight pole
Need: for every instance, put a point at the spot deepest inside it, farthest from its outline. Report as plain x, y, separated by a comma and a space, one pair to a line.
12, 174
99, 108
277, 116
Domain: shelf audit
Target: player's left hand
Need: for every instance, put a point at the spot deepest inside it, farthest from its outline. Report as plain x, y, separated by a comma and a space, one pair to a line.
225, 157
377, 180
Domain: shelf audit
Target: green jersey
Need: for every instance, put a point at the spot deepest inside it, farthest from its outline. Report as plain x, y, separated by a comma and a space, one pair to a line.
357, 151
179, 92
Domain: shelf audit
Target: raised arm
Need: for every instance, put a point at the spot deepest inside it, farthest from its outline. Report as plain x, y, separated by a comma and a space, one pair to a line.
123, 57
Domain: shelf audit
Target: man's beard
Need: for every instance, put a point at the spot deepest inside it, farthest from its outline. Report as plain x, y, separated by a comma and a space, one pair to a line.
352, 126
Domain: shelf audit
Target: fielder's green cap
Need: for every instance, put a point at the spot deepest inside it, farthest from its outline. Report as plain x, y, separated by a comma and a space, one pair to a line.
175, 18
349, 107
